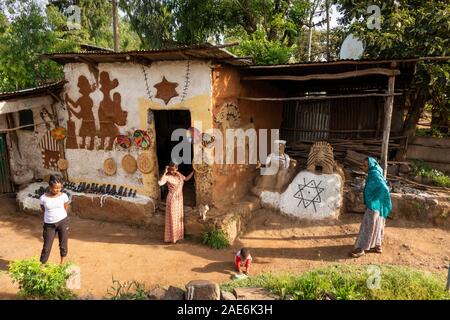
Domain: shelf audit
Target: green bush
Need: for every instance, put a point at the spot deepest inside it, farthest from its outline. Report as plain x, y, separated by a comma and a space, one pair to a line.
345, 282
424, 170
216, 239
40, 281
128, 290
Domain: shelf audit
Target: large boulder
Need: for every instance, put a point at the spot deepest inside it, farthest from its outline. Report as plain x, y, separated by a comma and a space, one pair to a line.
157, 293
174, 293
202, 290
224, 295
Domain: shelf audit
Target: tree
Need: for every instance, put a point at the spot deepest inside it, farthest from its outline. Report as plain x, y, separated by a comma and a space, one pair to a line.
409, 28
21, 43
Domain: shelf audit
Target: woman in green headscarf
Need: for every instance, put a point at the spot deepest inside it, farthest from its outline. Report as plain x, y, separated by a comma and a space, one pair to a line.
378, 202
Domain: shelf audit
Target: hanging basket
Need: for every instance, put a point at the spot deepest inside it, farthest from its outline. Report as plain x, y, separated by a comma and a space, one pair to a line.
62, 164
129, 164
122, 141
142, 139
109, 167
144, 162
58, 133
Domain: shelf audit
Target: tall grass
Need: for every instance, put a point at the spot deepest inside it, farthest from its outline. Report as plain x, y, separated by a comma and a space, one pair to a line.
344, 282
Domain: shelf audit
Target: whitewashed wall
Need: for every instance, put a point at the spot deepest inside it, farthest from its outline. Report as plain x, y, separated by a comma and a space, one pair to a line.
87, 165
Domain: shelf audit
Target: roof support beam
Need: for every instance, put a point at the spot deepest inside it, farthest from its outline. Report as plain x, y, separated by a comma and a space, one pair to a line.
329, 76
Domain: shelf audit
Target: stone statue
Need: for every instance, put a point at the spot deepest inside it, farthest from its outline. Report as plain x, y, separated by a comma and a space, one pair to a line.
279, 171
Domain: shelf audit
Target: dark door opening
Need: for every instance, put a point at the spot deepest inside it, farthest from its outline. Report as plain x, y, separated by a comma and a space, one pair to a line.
6, 185
166, 121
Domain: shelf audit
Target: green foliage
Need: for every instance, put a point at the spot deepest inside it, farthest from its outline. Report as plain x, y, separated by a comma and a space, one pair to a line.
38, 281
263, 50
349, 282
216, 239
128, 290
438, 178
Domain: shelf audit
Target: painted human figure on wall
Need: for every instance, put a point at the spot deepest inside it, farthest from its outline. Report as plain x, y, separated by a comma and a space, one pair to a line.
85, 104
110, 113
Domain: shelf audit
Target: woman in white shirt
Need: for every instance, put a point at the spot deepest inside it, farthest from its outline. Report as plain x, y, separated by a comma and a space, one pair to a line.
54, 205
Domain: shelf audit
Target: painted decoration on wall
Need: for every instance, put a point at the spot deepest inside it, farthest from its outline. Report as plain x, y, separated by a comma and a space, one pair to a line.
59, 133
321, 155
85, 105
144, 162
309, 193
110, 114
229, 116
123, 141
47, 118
166, 90
142, 139
129, 164
50, 151
109, 167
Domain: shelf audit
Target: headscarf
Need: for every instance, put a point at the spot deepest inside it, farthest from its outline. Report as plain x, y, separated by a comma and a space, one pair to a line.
376, 190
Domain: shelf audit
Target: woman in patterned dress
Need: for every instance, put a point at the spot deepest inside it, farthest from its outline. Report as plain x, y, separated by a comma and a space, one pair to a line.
174, 227
378, 202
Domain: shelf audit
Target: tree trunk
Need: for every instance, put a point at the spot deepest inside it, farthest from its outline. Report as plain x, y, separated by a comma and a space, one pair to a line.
414, 113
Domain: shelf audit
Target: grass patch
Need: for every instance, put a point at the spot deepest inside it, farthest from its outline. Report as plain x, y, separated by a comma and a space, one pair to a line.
128, 290
216, 239
345, 282
437, 177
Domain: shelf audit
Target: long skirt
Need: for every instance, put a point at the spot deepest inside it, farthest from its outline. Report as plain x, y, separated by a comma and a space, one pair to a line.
371, 231
174, 227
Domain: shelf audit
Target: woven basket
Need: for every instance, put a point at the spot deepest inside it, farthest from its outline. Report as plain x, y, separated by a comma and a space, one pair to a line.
129, 164
109, 167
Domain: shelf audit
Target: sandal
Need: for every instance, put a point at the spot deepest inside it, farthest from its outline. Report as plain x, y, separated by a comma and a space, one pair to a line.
357, 253
376, 249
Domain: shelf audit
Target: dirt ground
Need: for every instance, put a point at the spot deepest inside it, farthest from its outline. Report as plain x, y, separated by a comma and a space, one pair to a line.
105, 250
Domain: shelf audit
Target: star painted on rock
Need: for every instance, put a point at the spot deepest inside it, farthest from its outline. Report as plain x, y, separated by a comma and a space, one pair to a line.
309, 193
166, 90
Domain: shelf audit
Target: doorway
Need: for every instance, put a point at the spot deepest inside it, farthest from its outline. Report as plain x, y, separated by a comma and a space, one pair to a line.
166, 121
6, 185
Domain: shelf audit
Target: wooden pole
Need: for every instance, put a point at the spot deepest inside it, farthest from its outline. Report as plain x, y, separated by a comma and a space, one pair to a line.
388, 106
115, 26
448, 279
327, 8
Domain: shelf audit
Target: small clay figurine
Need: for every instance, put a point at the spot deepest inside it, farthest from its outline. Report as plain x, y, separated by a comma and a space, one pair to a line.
130, 193
125, 192
108, 188
120, 190
134, 193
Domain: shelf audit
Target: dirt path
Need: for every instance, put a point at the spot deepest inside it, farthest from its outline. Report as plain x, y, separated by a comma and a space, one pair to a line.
106, 250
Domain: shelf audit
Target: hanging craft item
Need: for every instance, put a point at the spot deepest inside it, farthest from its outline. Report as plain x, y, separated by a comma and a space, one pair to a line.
142, 139
207, 140
59, 133
166, 90
129, 164
123, 141
63, 164
109, 167
144, 162
194, 135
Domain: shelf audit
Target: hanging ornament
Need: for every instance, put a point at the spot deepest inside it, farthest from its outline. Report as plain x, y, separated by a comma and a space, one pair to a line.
122, 141
142, 139
58, 133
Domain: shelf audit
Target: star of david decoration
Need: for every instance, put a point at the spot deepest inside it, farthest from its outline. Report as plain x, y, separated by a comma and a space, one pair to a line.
166, 90
309, 193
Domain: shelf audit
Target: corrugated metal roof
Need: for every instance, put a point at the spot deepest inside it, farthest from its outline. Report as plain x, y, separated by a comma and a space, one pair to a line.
43, 89
202, 51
